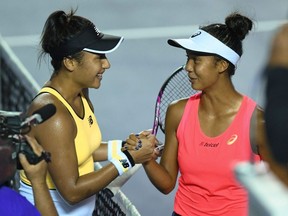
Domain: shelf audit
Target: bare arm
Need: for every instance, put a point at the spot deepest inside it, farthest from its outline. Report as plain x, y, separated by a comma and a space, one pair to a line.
42, 199
101, 153
37, 175
259, 138
164, 175
57, 135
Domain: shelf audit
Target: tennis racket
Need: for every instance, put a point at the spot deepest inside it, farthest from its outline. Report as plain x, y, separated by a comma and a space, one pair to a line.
175, 87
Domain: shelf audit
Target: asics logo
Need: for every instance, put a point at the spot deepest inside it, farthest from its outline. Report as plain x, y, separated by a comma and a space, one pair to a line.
196, 34
232, 139
98, 32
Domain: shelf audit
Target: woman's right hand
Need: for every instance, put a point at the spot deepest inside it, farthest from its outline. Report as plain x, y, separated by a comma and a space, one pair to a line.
141, 146
34, 172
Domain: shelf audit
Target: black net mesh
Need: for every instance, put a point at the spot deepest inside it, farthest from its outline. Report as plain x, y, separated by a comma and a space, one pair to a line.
14, 94
106, 206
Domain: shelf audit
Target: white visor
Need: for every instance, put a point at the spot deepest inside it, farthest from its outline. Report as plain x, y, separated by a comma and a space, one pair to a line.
202, 41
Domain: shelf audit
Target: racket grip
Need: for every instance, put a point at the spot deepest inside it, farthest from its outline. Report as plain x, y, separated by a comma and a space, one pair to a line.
160, 146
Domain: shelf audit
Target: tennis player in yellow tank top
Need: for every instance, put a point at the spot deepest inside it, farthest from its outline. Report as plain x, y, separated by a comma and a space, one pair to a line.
87, 140
72, 136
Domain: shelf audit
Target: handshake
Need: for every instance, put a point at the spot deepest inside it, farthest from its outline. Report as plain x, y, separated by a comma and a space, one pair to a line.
134, 142
137, 149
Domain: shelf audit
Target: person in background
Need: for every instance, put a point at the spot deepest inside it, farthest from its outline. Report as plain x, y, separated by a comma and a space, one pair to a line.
208, 133
11, 202
78, 56
276, 110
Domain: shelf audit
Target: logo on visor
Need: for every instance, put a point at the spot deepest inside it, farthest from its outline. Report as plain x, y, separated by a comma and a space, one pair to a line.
97, 31
196, 34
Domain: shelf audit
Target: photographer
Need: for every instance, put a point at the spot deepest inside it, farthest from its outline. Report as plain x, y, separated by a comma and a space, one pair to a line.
11, 202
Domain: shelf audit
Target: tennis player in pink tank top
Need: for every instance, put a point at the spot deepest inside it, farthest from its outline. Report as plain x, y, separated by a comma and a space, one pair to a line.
208, 133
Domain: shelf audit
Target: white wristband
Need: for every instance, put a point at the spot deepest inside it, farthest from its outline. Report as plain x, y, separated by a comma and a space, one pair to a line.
121, 163
114, 146
117, 157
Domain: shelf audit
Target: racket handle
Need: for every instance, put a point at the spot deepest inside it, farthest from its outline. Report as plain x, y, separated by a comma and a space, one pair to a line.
160, 146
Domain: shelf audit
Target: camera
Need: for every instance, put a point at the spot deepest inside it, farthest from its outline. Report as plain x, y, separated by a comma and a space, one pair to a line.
14, 126
12, 130
21, 146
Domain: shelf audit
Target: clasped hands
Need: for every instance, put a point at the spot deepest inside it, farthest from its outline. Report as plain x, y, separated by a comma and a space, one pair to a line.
142, 146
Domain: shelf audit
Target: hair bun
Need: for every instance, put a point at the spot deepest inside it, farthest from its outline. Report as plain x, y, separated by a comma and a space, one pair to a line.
239, 25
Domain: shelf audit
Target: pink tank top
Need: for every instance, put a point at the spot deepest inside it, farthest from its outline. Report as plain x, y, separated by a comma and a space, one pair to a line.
207, 185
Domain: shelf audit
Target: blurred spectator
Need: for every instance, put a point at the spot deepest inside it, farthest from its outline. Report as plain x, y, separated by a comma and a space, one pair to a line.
276, 112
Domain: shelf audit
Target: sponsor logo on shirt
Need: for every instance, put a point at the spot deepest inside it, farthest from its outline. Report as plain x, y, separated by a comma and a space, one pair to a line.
232, 139
206, 144
90, 120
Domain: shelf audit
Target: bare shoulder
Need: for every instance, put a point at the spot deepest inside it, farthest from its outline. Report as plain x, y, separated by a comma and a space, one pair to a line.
45, 99
258, 138
178, 105
174, 112
257, 121
260, 114
61, 120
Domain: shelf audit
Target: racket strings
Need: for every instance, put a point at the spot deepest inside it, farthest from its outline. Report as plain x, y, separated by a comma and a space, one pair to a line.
177, 87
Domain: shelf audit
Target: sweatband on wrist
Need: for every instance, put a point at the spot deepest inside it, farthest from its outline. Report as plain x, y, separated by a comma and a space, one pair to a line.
122, 161
113, 147
130, 158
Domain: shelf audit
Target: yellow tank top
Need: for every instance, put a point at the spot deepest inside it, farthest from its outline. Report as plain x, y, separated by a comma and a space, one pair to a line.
87, 140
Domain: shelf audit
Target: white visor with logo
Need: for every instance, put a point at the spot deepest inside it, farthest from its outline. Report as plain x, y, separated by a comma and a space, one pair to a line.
203, 42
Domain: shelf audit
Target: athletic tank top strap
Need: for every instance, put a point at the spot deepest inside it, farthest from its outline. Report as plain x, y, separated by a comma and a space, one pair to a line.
66, 104
87, 140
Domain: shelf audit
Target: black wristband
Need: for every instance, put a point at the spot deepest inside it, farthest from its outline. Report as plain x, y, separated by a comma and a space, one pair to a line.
130, 158
123, 143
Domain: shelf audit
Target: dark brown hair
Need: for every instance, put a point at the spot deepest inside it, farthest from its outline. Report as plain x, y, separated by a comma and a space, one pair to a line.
59, 27
232, 33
